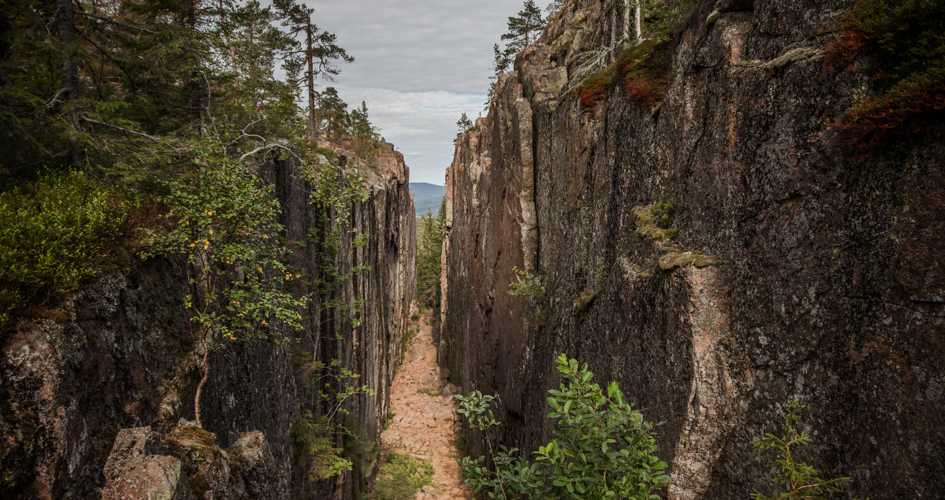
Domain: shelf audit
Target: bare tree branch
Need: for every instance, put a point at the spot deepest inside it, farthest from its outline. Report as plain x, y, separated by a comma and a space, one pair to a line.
123, 129
269, 147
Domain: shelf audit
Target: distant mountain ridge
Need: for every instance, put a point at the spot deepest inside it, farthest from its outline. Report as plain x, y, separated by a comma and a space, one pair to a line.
427, 197
425, 191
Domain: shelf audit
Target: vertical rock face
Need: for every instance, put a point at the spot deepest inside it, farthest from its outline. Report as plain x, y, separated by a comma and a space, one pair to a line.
784, 269
118, 355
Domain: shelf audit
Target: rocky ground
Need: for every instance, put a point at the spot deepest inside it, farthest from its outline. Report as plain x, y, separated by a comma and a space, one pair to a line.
425, 422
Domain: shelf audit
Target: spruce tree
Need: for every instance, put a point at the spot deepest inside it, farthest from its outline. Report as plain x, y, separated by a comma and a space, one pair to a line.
332, 113
524, 28
319, 54
464, 123
502, 59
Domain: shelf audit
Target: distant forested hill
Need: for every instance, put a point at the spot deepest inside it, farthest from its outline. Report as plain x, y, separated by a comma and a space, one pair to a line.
427, 196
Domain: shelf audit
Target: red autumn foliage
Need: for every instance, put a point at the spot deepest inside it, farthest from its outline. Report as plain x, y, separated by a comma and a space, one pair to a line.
870, 124
839, 54
902, 42
592, 93
644, 91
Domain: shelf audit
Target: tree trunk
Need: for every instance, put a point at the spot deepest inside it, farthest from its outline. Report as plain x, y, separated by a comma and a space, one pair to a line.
312, 123
66, 26
626, 19
6, 34
226, 34
639, 20
203, 381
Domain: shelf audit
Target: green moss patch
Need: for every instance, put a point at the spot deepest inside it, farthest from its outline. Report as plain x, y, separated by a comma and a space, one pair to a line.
201, 442
673, 260
402, 477
655, 221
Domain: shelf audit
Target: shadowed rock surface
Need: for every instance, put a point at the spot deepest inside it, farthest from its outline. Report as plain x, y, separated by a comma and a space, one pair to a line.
118, 354
796, 270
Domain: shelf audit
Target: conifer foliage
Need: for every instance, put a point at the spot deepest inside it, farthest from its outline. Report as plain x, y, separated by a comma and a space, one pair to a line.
523, 31
525, 27
430, 233
148, 112
114, 79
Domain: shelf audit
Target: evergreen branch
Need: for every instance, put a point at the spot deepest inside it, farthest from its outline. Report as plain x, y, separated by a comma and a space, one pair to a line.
112, 21
131, 80
123, 129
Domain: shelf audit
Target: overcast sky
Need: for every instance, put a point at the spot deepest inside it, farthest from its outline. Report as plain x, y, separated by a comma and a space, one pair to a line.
418, 64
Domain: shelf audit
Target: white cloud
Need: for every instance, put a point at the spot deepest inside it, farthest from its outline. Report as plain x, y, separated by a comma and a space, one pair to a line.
419, 64
421, 125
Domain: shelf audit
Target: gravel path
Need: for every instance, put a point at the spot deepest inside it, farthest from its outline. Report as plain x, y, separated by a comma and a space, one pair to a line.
425, 426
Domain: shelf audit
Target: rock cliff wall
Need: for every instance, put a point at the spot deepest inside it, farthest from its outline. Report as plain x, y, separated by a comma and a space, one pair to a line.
790, 270
112, 370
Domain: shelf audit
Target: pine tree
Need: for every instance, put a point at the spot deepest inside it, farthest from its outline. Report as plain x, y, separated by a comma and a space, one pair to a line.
331, 114
502, 59
364, 135
524, 27
319, 54
464, 123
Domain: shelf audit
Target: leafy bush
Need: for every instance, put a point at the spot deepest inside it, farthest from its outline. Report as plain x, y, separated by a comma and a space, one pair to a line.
402, 477
527, 284
602, 447
904, 41
314, 450
56, 233
800, 479
225, 221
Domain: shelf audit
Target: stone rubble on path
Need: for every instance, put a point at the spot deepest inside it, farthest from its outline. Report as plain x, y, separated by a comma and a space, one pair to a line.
426, 426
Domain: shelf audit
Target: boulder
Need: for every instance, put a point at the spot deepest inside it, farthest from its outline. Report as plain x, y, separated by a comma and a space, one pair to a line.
134, 470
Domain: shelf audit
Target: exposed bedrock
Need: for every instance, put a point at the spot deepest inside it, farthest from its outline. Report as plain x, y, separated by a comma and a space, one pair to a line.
117, 360
796, 270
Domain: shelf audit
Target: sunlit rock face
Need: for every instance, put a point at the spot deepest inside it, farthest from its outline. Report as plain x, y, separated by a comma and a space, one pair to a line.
788, 269
118, 357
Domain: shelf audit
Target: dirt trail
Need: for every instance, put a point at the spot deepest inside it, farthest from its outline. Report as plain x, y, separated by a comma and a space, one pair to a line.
425, 426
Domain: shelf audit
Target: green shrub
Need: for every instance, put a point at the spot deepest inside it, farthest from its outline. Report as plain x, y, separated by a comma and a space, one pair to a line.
57, 233
602, 447
358, 446
314, 450
527, 284
799, 479
402, 477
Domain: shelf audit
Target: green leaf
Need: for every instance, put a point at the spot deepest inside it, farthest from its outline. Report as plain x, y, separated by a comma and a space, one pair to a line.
612, 389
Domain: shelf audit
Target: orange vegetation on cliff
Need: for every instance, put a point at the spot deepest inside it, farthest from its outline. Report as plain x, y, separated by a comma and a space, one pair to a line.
904, 44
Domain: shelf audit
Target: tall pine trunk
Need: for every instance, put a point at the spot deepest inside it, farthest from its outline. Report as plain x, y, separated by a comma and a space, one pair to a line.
70, 72
66, 26
312, 122
226, 34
